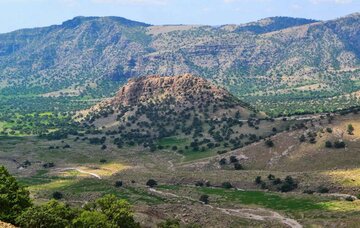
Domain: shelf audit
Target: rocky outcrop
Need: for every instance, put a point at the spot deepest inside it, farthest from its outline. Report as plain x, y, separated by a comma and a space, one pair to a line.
181, 87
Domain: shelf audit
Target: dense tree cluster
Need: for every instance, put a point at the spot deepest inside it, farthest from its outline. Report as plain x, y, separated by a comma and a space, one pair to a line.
17, 208
273, 183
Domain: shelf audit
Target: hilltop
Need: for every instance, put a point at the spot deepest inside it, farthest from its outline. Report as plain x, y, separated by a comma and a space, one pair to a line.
204, 116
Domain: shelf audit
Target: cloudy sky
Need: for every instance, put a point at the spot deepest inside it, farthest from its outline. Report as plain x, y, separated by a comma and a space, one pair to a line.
16, 14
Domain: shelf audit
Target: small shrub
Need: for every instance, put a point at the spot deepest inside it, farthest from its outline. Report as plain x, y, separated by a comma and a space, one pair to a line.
233, 159
302, 138
277, 181
226, 185
323, 189
339, 144
204, 199
118, 184
269, 143
350, 129
222, 161
238, 166
308, 191
328, 144
151, 183
258, 180
312, 140
57, 195
199, 184
263, 185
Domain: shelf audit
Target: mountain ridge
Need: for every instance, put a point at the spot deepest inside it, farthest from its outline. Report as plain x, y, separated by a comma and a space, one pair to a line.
93, 56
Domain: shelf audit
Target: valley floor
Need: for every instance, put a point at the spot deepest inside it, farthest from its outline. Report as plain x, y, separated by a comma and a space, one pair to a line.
84, 172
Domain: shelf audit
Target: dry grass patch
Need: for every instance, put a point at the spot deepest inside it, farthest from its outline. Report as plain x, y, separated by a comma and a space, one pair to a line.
347, 178
342, 206
52, 185
104, 170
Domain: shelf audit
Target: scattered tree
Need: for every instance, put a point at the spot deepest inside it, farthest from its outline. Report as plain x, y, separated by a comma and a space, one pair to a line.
226, 185
258, 180
204, 199
57, 195
328, 144
118, 184
151, 183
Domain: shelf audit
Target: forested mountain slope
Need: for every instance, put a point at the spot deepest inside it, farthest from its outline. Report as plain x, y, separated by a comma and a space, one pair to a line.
274, 58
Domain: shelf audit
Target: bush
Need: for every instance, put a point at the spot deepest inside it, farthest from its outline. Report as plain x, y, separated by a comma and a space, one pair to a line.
288, 185
339, 144
302, 138
199, 184
118, 211
51, 214
204, 199
308, 191
271, 177
312, 140
277, 181
169, 223
222, 161
328, 144
258, 180
92, 219
323, 189
269, 143
238, 166
14, 199
233, 159
118, 184
350, 129
151, 183
263, 185
57, 195
49, 165
226, 185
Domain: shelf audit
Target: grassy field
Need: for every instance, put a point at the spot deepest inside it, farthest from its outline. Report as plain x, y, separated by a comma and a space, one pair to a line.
264, 199
188, 154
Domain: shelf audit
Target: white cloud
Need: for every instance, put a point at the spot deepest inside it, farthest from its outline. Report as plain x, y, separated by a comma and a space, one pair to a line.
260, 1
296, 7
331, 1
134, 2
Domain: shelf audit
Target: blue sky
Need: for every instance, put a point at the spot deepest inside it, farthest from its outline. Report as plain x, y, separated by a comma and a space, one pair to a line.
16, 14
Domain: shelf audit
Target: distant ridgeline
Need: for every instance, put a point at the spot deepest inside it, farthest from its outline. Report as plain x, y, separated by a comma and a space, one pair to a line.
280, 65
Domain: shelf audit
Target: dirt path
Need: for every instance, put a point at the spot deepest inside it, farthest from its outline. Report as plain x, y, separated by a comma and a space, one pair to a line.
258, 214
171, 166
81, 171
